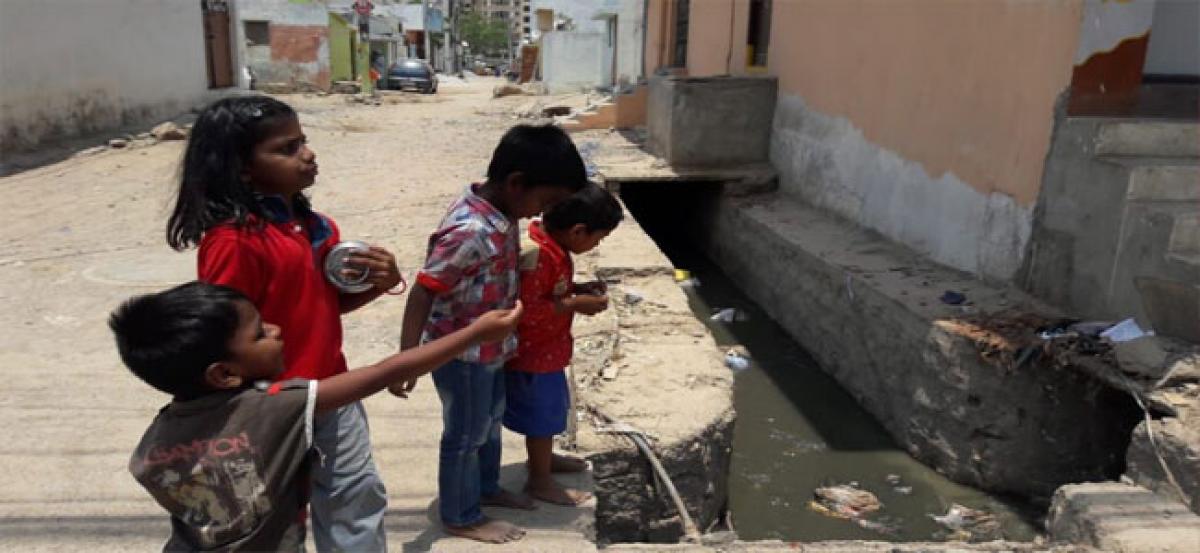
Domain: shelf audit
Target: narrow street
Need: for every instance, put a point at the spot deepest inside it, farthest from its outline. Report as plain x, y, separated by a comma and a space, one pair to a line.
83, 234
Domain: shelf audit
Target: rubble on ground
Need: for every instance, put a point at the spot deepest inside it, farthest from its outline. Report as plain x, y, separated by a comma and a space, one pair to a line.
167, 131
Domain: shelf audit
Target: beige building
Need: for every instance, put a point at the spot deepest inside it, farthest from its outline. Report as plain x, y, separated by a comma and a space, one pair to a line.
932, 122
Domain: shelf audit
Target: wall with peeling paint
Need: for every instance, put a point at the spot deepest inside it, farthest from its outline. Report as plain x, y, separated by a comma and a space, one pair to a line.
298, 54
72, 68
926, 120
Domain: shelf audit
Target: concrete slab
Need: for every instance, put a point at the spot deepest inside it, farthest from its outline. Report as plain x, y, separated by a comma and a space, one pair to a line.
1122, 519
1149, 137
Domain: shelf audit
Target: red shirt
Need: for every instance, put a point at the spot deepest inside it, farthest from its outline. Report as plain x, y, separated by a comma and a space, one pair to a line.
544, 334
278, 267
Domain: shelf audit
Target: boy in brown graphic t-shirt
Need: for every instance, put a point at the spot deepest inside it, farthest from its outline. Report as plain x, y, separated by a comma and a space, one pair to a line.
227, 458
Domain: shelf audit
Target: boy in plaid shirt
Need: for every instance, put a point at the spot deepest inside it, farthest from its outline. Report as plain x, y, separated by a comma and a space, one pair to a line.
470, 269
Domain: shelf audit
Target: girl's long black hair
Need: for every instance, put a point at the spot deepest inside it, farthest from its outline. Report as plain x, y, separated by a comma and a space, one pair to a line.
211, 188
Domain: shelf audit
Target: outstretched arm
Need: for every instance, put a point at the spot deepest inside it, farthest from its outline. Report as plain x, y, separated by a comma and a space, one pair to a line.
411, 363
420, 302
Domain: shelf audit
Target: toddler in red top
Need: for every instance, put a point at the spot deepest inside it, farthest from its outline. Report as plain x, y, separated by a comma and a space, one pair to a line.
536, 392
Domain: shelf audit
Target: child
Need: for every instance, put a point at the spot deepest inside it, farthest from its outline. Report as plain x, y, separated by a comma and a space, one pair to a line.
471, 268
240, 199
228, 460
535, 382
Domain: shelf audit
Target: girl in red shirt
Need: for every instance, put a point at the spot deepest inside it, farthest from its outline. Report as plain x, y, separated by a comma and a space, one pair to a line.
241, 201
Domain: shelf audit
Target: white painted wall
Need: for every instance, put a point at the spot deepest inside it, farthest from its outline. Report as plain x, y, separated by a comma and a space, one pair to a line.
1175, 39
572, 61
593, 16
1106, 24
71, 67
828, 162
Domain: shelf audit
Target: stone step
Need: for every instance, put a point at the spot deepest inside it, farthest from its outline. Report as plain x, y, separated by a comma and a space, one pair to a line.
1163, 179
1149, 138
1122, 518
1184, 245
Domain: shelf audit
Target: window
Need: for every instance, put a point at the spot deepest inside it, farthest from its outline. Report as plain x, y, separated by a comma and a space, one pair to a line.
258, 33
679, 53
759, 35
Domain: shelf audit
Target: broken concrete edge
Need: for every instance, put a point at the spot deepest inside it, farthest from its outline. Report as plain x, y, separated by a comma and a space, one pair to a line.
692, 438
632, 507
853, 547
1175, 444
1121, 518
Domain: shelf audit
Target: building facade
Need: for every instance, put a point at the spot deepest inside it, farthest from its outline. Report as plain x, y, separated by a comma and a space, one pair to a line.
68, 66
931, 122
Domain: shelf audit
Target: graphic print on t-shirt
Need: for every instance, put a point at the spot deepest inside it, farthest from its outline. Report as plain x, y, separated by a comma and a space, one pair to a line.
217, 483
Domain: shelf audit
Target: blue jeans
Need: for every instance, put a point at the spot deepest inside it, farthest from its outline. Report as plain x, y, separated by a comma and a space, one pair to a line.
472, 397
348, 497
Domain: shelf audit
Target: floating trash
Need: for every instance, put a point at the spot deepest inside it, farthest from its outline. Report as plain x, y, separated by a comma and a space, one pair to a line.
845, 501
737, 358
729, 315
967, 524
848, 502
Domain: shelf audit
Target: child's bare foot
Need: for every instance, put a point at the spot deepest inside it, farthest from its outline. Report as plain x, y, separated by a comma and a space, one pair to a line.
567, 463
510, 500
488, 531
551, 492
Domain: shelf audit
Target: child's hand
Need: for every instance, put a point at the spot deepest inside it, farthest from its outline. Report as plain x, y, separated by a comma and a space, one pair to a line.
385, 274
588, 304
497, 325
595, 287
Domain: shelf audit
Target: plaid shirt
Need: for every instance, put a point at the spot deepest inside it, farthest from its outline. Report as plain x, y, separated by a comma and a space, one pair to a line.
471, 268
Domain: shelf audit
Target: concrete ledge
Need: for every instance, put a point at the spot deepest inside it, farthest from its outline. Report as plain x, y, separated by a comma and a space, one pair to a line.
1149, 138
1122, 519
855, 547
943, 380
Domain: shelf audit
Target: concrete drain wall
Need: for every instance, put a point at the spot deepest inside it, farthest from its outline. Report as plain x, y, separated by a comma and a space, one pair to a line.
941, 381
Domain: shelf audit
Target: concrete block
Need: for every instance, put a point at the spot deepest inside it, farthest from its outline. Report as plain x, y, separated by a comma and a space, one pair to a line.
1185, 236
1122, 519
868, 312
1114, 207
1177, 442
1149, 138
707, 122
1172, 307
1170, 183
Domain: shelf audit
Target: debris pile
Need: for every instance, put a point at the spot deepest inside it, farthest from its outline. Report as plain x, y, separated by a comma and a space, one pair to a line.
847, 501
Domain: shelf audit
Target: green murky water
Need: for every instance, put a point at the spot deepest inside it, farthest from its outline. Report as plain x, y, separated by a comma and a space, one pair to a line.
797, 429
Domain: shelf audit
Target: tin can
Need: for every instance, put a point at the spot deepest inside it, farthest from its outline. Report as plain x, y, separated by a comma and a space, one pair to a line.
337, 260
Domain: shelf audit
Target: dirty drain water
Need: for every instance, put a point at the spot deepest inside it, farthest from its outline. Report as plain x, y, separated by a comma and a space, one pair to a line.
798, 430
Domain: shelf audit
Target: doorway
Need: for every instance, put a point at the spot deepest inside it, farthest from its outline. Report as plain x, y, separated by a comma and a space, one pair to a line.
218, 55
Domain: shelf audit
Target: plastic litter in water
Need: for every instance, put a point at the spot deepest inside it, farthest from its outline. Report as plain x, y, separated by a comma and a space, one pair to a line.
737, 359
1125, 331
729, 315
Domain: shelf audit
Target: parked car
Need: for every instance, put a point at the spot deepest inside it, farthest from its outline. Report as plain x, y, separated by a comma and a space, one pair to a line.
412, 73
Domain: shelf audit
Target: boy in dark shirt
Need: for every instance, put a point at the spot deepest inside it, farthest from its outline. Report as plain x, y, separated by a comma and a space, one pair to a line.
227, 458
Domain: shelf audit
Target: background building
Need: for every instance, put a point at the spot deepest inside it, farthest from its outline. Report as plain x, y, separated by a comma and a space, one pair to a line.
71, 68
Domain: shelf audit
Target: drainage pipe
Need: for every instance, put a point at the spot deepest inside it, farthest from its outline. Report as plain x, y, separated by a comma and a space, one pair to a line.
691, 532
